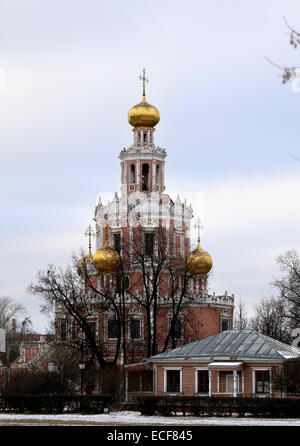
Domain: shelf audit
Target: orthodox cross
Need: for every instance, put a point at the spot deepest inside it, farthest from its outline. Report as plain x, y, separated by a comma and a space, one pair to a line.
199, 226
144, 79
90, 233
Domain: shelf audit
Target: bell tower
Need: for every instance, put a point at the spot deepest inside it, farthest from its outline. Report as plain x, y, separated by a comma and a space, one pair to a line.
142, 164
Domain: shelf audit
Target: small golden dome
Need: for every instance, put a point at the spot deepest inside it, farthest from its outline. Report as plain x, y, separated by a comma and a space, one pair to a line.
143, 115
199, 262
106, 260
86, 260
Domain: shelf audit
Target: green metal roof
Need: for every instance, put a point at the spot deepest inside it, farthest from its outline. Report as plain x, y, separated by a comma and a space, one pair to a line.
240, 344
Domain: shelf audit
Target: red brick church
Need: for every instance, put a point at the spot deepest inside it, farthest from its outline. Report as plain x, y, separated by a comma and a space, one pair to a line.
147, 234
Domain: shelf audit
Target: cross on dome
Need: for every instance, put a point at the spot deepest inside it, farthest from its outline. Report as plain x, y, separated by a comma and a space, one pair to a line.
90, 233
144, 79
198, 225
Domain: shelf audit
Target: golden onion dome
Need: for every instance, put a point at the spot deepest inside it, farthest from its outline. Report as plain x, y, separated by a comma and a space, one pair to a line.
106, 259
87, 259
199, 262
143, 115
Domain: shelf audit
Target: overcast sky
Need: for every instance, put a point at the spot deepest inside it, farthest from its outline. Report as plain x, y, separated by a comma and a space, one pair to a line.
68, 76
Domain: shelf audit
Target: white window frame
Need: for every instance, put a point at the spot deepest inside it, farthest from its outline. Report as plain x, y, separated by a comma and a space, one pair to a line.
197, 369
261, 369
166, 369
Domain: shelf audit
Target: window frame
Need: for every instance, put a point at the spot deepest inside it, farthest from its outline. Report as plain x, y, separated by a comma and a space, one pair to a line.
172, 369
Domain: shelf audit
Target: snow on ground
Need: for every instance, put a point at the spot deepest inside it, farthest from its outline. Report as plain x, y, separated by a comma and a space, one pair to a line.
135, 418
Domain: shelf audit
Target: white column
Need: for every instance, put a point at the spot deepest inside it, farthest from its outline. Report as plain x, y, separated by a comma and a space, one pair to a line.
243, 381
153, 174
155, 380
253, 381
235, 383
218, 382
209, 383
270, 372
138, 175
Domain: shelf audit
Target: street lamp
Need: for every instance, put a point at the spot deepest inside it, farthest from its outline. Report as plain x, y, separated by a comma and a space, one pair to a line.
81, 367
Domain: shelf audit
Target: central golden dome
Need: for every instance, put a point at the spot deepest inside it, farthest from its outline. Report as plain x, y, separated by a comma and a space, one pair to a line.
106, 260
143, 115
199, 262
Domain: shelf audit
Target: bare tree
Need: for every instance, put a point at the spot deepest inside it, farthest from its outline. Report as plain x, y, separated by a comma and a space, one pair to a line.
270, 319
289, 286
8, 311
241, 321
67, 292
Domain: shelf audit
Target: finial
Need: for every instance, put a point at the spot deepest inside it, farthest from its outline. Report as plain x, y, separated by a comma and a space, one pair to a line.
199, 226
144, 79
106, 235
90, 233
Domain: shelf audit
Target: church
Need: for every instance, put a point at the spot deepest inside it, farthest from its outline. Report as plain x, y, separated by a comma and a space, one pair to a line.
143, 258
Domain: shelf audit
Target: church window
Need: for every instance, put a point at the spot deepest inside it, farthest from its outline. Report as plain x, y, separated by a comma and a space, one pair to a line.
149, 244
126, 283
112, 328
132, 173
225, 321
117, 242
92, 329
157, 174
145, 137
145, 176
135, 328
202, 381
139, 137
225, 324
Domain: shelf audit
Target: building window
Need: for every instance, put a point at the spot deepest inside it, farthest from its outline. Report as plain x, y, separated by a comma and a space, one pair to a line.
145, 137
140, 381
173, 381
134, 328
224, 324
132, 173
225, 321
92, 329
145, 177
262, 381
157, 174
202, 381
63, 330
149, 244
112, 328
117, 242
126, 283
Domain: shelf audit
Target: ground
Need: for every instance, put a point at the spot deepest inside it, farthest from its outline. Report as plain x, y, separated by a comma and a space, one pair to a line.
130, 418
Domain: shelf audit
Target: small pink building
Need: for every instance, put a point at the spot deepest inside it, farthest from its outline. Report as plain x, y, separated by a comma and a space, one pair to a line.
231, 363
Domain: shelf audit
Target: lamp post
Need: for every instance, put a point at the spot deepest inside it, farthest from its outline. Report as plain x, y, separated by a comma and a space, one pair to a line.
81, 366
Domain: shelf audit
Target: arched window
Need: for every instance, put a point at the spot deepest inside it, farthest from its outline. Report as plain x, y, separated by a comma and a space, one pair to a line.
157, 174
132, 173
145, 177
